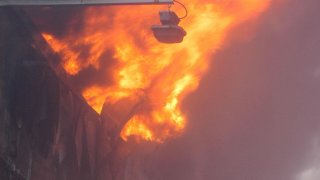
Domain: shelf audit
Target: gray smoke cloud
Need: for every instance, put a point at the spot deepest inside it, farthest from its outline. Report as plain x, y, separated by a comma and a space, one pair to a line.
256, 113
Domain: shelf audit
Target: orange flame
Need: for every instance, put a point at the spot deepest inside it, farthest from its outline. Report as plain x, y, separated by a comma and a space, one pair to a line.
163, 74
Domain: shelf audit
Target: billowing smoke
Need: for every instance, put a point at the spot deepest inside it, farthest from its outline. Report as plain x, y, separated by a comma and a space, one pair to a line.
256, 113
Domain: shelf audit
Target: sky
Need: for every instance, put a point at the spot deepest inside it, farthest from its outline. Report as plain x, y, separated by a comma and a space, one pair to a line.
256, 113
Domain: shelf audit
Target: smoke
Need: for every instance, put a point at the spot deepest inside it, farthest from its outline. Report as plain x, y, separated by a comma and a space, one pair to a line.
256, 113
59, 20
102, 76
68, 21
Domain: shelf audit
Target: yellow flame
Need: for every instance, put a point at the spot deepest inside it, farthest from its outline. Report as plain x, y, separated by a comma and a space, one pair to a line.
165, 73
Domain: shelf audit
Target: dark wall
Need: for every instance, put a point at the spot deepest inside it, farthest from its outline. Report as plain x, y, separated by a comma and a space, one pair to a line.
47, 131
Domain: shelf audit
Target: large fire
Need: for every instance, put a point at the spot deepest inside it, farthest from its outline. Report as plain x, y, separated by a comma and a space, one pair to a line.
158, 75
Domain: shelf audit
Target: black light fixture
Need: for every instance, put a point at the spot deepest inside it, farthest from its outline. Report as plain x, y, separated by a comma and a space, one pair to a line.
169, 31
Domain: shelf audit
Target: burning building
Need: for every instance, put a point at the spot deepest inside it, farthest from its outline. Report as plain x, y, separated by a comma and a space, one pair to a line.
56, 128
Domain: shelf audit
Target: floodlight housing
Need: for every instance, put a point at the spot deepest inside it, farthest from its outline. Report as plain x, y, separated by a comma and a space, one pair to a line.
168, 33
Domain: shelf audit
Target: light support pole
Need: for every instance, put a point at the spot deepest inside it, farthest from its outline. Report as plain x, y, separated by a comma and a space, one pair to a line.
80, 2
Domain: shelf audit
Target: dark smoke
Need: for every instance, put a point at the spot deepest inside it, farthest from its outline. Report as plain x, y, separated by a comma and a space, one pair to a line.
91, 75
59, 20
64, 21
